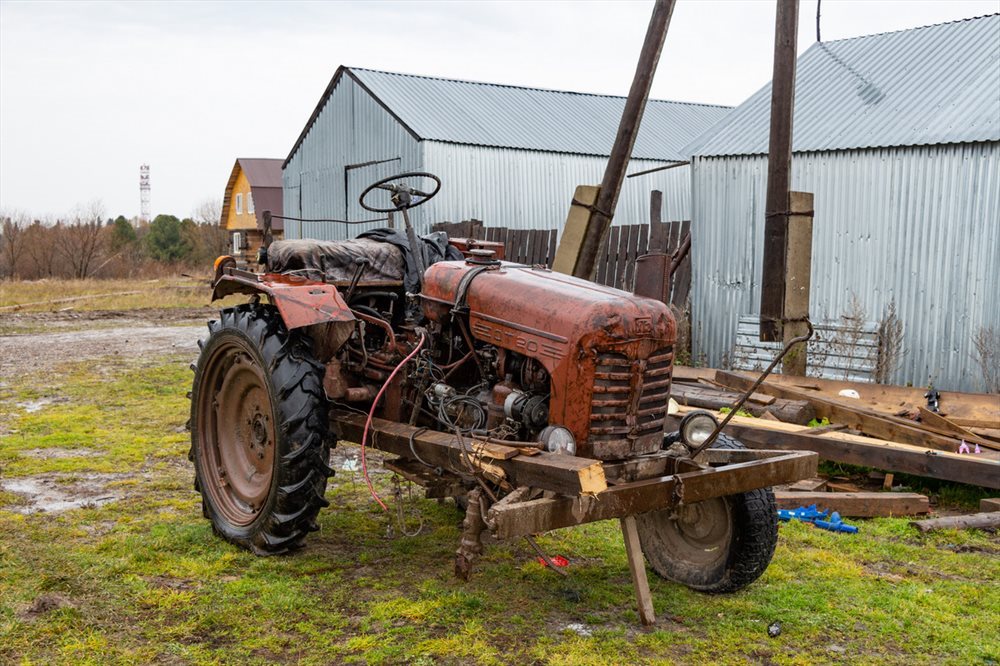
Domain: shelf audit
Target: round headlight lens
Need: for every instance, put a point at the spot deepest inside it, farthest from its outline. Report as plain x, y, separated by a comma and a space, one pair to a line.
558, 439
696, 427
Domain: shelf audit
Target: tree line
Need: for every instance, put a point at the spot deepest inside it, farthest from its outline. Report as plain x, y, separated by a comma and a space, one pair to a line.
87, 244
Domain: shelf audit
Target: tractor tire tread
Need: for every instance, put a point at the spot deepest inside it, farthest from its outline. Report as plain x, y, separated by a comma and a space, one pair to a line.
302, 430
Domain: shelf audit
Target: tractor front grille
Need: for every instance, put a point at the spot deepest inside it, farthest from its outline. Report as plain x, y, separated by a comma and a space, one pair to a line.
629, 402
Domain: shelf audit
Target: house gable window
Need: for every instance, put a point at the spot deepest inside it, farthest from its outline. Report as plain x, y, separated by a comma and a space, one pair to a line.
239, 204
250, 203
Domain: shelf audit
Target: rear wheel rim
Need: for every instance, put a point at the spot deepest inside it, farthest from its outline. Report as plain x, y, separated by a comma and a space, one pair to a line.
236, 432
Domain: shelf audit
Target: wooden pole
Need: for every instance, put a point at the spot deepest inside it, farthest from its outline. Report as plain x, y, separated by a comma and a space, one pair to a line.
798, 265
600, 220
779, 161
637, 567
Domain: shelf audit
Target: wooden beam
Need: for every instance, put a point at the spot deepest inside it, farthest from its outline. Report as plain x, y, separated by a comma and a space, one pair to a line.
628, 499
813, 485
857, 505
989, 504
867, 421
621, 152
949, 428
637, 567
973, 521
779, 171
880, 454
798, 269
564, 474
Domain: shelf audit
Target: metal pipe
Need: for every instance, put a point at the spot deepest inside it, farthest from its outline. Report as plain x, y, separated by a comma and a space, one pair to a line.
604, 209
746, 396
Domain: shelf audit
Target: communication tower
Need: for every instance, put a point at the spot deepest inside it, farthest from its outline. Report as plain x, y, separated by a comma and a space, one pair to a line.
144, 192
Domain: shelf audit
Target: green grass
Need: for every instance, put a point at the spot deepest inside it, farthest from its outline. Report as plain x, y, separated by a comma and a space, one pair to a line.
144, 580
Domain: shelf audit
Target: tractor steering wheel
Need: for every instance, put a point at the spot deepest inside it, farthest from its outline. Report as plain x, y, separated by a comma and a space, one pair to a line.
402, 195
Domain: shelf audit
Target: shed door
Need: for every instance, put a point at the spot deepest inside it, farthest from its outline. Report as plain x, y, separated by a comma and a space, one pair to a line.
358, 178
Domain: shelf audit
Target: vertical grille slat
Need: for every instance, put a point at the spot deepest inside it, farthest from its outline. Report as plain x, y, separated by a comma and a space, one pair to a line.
616, 375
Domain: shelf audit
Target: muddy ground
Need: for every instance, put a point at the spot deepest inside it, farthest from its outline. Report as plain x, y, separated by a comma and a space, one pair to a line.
84, 335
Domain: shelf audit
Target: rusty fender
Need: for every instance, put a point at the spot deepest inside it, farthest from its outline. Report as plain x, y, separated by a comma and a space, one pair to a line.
301, 302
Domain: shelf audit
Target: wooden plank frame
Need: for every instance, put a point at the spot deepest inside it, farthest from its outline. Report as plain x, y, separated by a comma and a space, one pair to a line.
628, 499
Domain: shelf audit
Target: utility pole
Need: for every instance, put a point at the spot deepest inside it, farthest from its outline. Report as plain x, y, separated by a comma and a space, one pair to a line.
603, 210
779, 162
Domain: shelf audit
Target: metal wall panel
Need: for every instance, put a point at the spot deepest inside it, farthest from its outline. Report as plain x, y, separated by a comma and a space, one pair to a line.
919, 225
521, 189
524, 189
351, 129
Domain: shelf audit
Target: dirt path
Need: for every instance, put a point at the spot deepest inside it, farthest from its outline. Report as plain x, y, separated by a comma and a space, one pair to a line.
133, 333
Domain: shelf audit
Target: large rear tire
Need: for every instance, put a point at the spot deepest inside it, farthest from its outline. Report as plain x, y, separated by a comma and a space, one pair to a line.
259, 431
719, 545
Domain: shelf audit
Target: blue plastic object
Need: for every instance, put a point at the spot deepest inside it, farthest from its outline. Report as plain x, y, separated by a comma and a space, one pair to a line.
806, 514
813, 515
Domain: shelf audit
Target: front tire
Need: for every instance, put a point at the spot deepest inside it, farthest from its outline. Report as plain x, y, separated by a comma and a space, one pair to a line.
719, 545
259, 431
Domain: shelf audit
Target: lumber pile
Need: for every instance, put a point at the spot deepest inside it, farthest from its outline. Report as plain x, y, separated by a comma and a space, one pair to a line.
887, 429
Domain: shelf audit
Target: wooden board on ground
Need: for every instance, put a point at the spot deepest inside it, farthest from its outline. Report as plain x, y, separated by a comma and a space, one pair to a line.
865, 420
857, 505
981, 470
989, 504
790, 411
813, 485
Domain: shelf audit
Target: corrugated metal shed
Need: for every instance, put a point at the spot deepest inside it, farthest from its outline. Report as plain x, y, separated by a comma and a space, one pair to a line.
503, 116
907, 194
931, 85
509, 156
915, 225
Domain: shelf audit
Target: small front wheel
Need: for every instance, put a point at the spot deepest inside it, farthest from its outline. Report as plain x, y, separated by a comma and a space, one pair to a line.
719, 545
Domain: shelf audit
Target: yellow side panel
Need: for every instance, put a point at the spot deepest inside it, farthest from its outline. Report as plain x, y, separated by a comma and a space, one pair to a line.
242, 220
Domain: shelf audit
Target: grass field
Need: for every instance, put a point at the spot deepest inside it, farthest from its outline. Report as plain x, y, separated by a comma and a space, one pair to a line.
52, 295
142, 579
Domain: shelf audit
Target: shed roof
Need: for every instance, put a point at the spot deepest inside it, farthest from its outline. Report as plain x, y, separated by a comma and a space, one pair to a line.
505, 116
924, 86
264, 176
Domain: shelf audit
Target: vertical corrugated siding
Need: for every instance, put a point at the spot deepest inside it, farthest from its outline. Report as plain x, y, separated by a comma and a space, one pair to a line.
918, 224
351, 129
521, 189
524, 189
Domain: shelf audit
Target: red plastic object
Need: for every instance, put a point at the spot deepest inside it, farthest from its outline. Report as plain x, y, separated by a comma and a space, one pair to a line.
558, 560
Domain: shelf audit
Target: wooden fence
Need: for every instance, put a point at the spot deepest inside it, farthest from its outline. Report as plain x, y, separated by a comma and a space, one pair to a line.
616, 265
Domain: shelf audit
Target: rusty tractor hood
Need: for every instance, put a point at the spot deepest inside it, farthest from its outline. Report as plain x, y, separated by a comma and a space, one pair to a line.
571, 326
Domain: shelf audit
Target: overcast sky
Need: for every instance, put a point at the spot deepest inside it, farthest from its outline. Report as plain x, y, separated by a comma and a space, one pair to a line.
89, 91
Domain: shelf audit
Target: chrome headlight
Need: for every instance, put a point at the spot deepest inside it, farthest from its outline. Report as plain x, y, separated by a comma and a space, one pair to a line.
696, 427
558, 439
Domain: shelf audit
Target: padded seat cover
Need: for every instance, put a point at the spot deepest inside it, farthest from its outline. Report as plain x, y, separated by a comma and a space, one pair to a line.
334, 261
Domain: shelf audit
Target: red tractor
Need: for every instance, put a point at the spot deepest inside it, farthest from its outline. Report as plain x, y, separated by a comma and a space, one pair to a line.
537, 399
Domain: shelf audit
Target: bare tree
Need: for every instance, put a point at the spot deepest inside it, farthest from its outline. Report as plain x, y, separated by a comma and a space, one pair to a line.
210, 239
12, 242
41, 244
84, 240
890, 344
987, 342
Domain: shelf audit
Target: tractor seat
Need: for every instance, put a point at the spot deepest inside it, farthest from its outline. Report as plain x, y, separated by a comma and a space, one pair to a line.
337, 261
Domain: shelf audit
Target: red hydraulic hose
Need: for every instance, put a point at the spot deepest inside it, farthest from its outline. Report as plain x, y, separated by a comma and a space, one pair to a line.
368, 423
